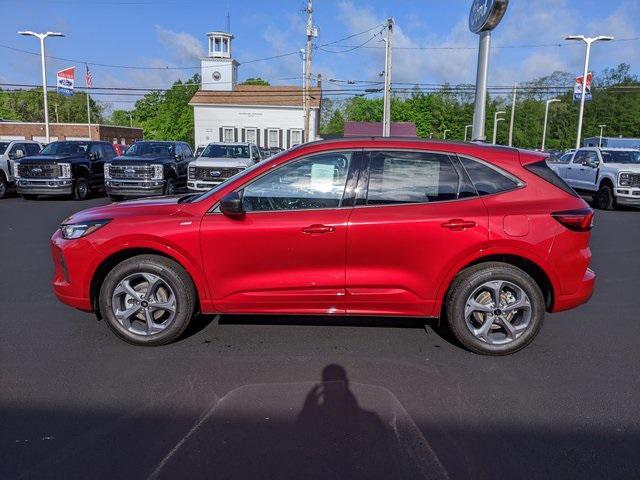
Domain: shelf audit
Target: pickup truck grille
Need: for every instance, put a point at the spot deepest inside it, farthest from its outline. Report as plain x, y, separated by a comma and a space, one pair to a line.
39, 170
212, 174
131, 171
632, 180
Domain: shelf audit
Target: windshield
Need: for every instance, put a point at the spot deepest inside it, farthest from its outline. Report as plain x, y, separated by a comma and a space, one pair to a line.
151, 149
621, 156
226, 151
3, 147
65, 148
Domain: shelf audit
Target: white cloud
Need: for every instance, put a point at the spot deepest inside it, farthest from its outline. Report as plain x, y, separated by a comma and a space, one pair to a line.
183, 46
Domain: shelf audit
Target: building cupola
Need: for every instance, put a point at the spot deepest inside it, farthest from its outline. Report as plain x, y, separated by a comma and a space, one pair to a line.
219, 70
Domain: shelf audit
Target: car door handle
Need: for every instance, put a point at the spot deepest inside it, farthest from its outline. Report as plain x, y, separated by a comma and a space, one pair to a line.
458, 224
318, 229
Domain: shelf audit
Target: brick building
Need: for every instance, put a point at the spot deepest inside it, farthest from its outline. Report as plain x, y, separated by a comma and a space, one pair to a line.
68, 131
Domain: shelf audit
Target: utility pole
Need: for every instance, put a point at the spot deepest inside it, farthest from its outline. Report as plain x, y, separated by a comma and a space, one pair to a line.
130, 120
55, 107
602, 127
546, 118
466, 129
386, 116
307, 71
444, 134
513, 114
496, 119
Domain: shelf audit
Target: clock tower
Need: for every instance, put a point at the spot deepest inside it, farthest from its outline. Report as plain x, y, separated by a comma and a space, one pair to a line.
218, 69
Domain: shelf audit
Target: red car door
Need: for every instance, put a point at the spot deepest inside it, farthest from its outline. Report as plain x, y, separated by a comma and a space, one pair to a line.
286, 254
420, 216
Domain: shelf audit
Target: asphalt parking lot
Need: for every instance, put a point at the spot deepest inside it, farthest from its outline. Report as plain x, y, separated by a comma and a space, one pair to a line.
238, 397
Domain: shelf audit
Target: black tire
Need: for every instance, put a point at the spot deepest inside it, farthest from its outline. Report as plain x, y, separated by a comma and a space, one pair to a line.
469, 281
29, 196
171, 273
4, 186
605, 199
170, 186
81, 189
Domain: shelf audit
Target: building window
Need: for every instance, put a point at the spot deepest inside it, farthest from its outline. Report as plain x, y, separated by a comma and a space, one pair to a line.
217, 47
227, 134
273, 137
251, 135
296, 137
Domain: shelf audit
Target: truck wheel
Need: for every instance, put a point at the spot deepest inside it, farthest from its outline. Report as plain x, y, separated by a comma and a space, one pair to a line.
170, 186
495, 308
147, 300
3, 186
604, 198
81, 189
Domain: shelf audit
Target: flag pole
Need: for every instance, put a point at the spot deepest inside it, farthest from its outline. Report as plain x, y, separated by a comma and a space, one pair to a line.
88, 103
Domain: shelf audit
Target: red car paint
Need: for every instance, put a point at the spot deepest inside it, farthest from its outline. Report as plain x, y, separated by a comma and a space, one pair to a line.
373, 260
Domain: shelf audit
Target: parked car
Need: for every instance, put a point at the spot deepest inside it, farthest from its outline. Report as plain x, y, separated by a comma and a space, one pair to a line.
610, 175
148, 168
219, 162
64, 168
488, 237
12, 151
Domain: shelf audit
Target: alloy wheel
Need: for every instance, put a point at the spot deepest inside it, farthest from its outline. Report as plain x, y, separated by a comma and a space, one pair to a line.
144, 304
497, 312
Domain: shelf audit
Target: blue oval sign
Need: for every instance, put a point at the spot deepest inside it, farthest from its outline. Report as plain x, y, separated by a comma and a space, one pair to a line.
486, 14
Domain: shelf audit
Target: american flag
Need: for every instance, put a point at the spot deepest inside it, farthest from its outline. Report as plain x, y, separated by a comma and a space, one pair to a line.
88, 77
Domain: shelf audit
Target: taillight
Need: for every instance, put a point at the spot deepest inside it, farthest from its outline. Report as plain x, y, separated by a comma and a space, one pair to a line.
577, 220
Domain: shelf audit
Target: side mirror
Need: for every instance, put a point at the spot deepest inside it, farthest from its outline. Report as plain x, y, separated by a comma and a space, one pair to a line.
594, 164
231, 205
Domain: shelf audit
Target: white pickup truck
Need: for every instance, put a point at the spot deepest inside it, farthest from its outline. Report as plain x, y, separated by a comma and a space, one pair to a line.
610, 175
218, 162
10, 152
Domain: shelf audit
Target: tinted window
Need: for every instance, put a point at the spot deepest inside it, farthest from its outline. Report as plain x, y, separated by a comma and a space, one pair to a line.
314, 182
226, 151
3, 147
96, 148
620, 156
486, 179
186, 149
580, 157
411, 177
33, 148
151, 149
66, 148
542, 170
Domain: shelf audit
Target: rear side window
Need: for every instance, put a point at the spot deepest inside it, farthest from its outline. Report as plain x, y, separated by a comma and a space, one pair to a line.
542, 170
486, 179
411, 177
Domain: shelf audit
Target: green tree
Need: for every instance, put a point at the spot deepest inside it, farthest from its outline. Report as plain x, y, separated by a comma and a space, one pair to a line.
28, 106
121, 118
335, 126
255, 81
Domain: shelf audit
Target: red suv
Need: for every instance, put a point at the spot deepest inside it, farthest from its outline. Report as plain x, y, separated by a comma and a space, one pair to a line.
487, 237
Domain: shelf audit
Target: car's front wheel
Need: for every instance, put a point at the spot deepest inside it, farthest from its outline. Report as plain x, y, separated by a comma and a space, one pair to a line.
147, 300
495, 308
81, 189
3, 186
605, 199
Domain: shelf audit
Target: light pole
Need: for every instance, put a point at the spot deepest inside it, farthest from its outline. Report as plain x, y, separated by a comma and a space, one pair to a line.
130, 120
466, 129
444, 134
42, 36
496, 119
546, 116
588, 41
602, 127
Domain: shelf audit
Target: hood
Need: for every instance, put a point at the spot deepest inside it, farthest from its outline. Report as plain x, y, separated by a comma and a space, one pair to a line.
625, 167
222, 162
50, 158
135, 160
143, 207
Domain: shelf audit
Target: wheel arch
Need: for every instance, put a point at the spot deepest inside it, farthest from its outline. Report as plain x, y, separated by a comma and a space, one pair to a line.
119, 256
82, 170
607, 180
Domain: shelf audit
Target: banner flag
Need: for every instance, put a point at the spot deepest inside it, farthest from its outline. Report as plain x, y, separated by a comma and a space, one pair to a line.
577, 88
66, 81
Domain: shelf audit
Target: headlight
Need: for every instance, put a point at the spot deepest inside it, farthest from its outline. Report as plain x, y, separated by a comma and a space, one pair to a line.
192, 172
77, 230
158, 172
624, 180
65, 170
15, 169
106, 170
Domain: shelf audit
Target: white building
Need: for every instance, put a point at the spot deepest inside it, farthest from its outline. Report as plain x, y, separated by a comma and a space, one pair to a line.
270, 116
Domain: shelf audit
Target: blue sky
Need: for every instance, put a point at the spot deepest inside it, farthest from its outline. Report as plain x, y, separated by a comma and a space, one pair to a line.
162, 33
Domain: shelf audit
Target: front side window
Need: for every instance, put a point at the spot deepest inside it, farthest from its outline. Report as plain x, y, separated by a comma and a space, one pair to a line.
273, 139
311, 183
411, 177
580, 157
486, 179
96, 150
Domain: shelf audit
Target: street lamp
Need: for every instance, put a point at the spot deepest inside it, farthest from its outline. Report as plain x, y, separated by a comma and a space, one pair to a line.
546, 116
444, 134
42, 36
588, 41
496, 119
602, 127
466, 129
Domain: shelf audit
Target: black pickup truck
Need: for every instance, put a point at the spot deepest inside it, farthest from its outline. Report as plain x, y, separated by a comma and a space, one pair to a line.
64, 168
148, 168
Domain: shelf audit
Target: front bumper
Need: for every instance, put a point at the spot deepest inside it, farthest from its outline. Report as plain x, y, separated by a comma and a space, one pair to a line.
580, 296
49, 186
134, 188
200, 186
628, 196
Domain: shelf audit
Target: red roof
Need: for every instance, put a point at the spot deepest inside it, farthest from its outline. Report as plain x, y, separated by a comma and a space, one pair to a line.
370, 129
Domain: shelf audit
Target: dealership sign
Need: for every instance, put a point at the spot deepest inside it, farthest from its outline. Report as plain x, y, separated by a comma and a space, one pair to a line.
65, 81
577, 88
485, 15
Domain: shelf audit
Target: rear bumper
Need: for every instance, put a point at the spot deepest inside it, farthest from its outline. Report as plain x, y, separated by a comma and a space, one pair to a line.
580, 296
51, 186
134, 188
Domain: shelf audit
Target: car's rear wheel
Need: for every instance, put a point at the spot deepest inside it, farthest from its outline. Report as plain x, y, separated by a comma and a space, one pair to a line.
495, 308
147, 300
604, 198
